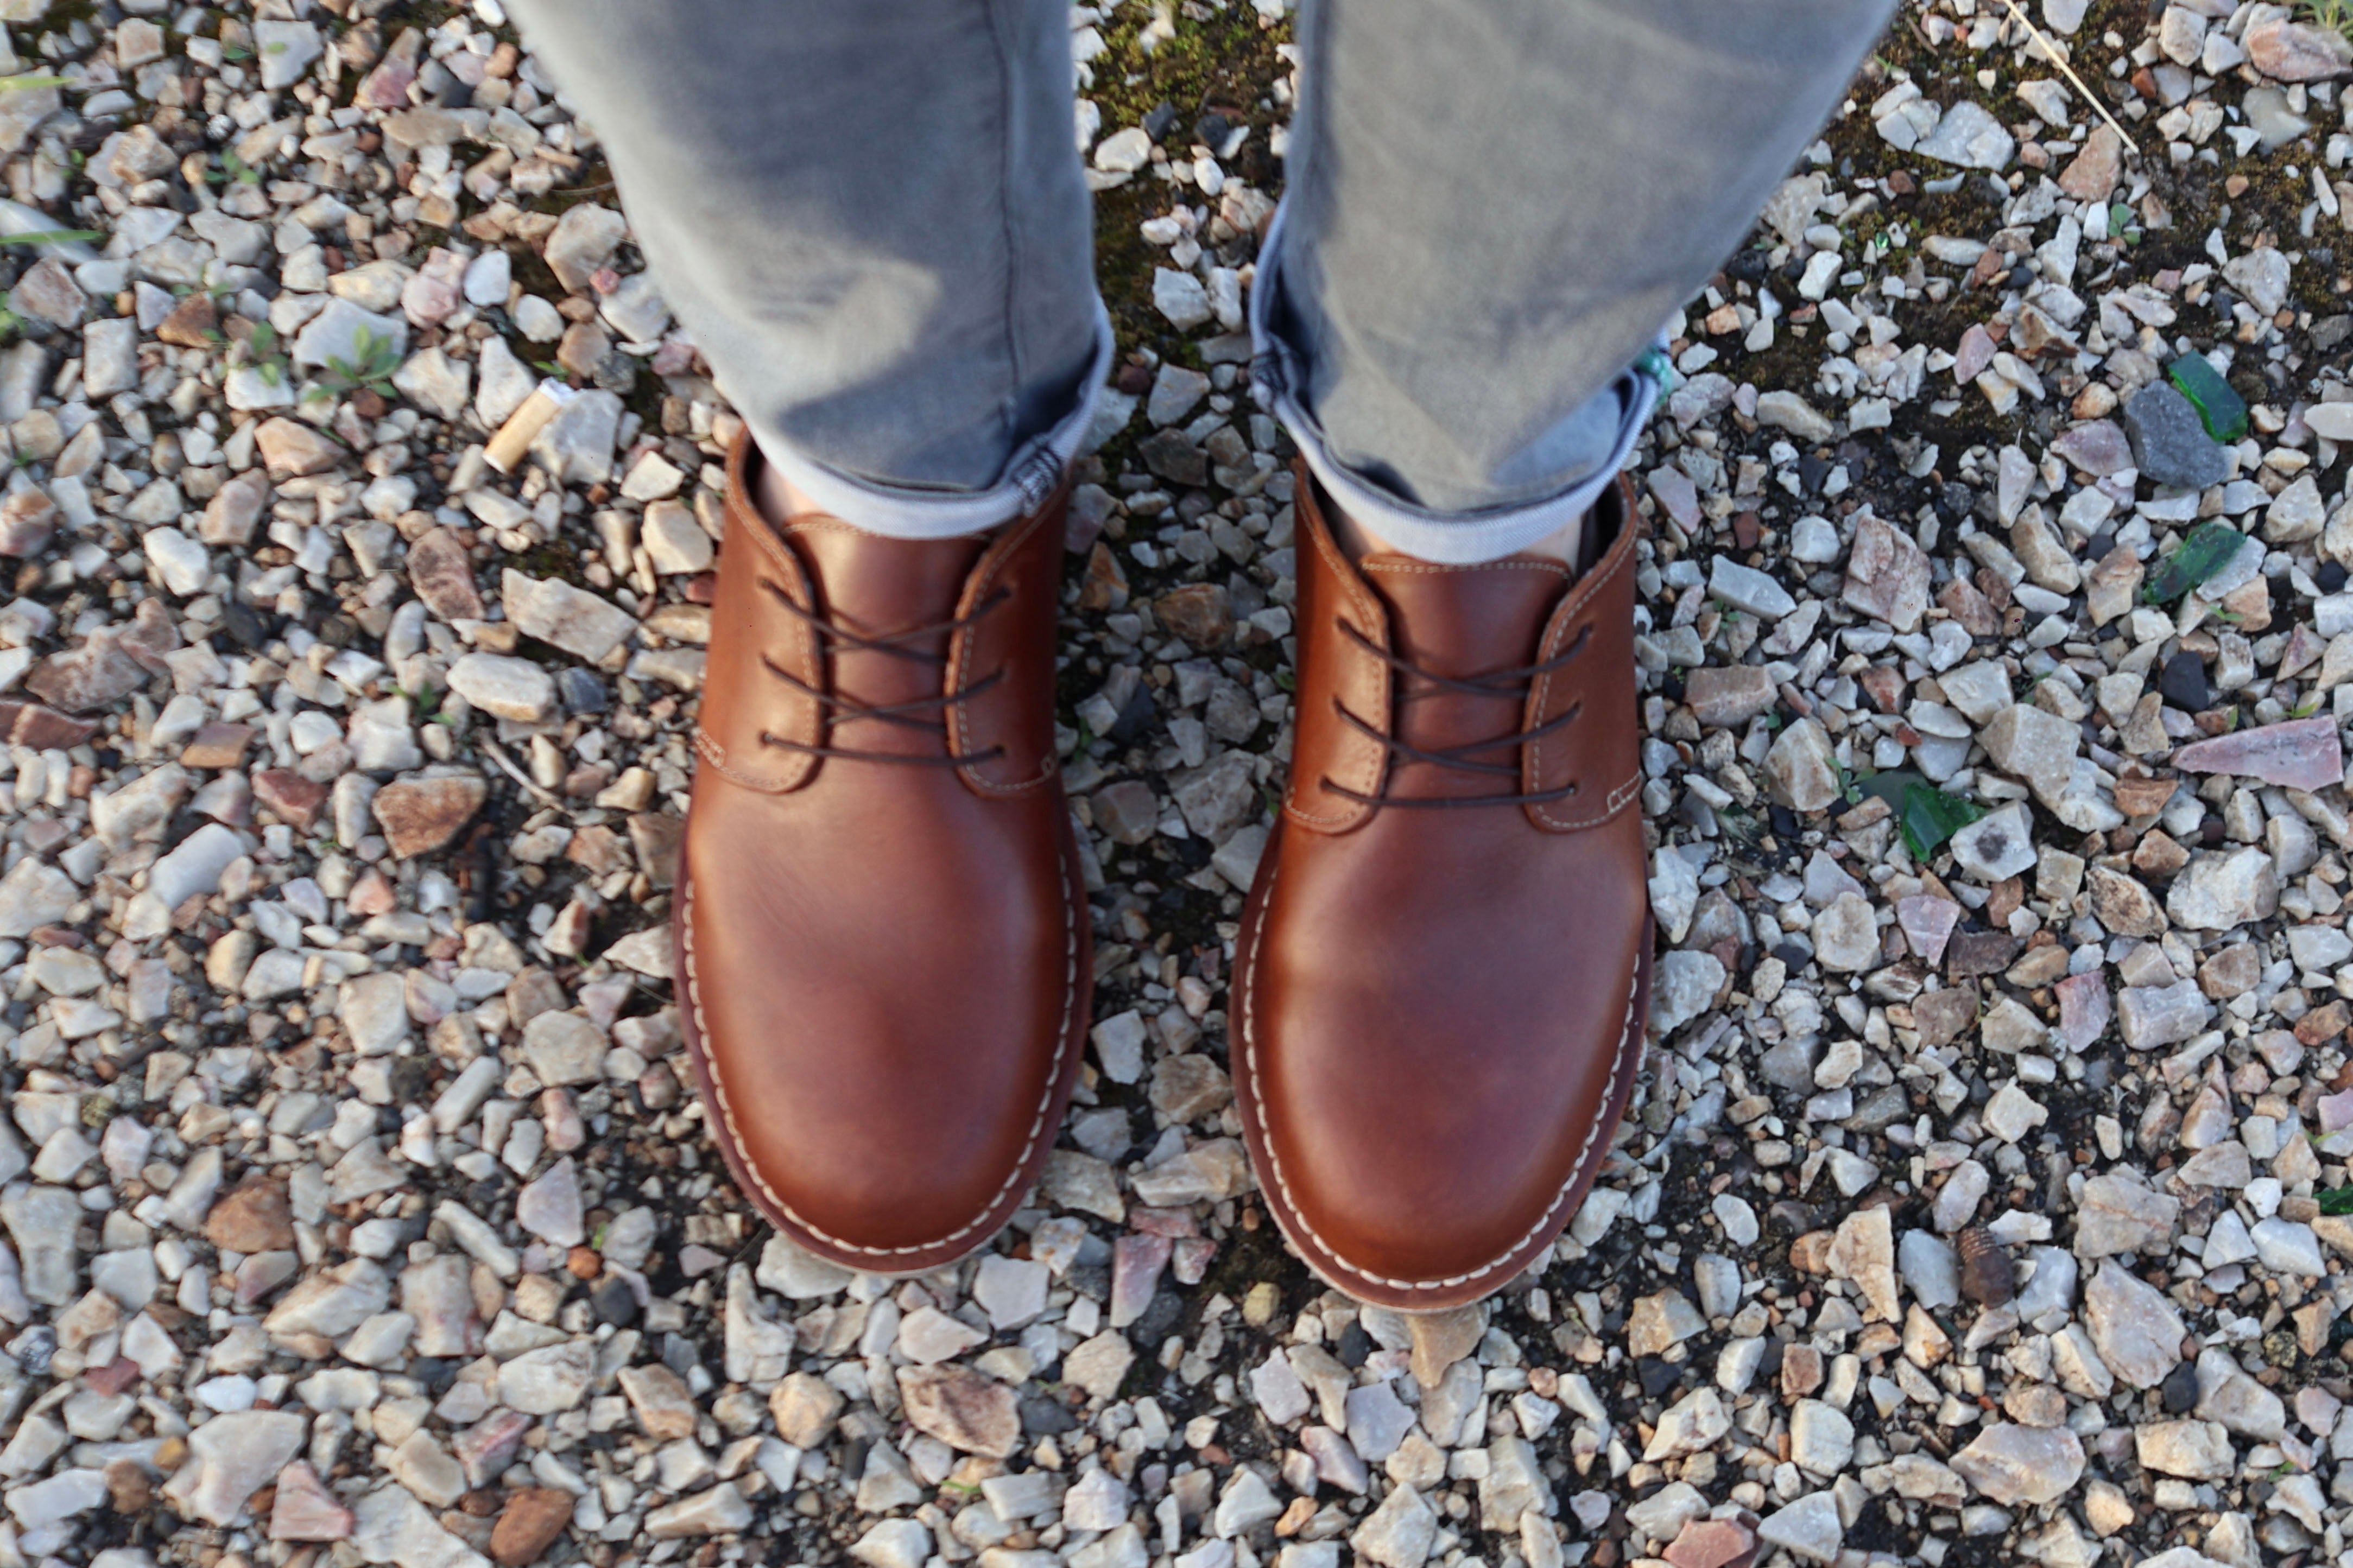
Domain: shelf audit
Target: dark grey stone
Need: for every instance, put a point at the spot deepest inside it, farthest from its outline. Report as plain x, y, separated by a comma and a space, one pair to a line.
2169, 442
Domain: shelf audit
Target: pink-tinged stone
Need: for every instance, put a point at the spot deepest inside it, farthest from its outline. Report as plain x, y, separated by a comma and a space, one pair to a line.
1887, 575
296, 800
566, 1130
373, 894
2304, 650
2303, 753
113, 1377
489, 1444
42, 729
2337, 1112
2317, 1409
1135, 1264
1083, 520
305, 1509
2292, 51
28, 519
1190, 1259
1673, 490
2096, 447
1170, 1222
433, 295
386, 87
1927, 923
1713, 1543
1975, 353
2084, 1009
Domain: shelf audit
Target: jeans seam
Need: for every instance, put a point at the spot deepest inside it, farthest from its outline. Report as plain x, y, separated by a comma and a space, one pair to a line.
1015, 380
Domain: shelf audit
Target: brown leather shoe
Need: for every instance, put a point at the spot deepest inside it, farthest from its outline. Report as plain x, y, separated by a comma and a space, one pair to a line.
1445, 965
882, 930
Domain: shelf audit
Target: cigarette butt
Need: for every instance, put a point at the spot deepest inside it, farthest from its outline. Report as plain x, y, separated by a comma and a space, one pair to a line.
506, 450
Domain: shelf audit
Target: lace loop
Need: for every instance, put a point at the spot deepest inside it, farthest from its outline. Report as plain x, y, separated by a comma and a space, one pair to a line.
841, 710
1502, 683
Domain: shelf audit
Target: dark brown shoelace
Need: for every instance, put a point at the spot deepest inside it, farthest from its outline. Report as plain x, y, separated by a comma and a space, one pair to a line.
1419, 682
905, 715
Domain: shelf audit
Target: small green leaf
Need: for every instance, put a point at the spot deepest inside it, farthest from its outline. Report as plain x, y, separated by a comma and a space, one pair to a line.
1930, 816
51, 236
2223, 411
25, 83
1926, 815
2334, 1200
2307, 708
2208, 548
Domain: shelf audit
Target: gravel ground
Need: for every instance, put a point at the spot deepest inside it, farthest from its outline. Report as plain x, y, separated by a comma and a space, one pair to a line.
1980, 1201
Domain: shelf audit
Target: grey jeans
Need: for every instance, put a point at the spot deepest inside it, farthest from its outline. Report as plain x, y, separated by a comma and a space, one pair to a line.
871, 215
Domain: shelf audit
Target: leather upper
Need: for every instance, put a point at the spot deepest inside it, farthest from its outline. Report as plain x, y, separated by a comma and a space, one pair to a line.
1438, 1010
885, 961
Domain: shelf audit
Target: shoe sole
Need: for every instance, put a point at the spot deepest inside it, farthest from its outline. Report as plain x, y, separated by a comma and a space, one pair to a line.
1458, 1290
898, 1262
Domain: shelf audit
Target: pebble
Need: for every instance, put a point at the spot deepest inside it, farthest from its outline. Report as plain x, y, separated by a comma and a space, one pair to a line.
2217, 891
968, 1411
1789, 411
1400, 1532
1887, 575
1181, 299
2169, 443
2304, 753
304, 1509
1998, 845
1971, 137
1808, 1527
230, 1458
1801, 768
420, 816
529, 1524
504, 687
1746, 588
2022, 1465
2197, 1451
2135, 1331
584, 239
2287, 50
580, 624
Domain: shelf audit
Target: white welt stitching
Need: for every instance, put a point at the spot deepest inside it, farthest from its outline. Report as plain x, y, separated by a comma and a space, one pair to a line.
1037, 1121
1274, 1158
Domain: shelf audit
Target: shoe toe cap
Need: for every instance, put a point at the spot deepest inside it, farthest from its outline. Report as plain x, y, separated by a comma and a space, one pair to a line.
1423, 1144
883, 1086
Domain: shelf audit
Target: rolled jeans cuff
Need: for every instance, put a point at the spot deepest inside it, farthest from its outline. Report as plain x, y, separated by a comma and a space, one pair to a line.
1448, 538
900, 512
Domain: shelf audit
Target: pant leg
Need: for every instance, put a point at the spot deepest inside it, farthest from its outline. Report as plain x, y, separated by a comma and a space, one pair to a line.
1493, 207
872, 217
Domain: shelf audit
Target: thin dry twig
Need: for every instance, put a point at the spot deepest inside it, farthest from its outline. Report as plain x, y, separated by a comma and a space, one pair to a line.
2051, 52
497, 754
